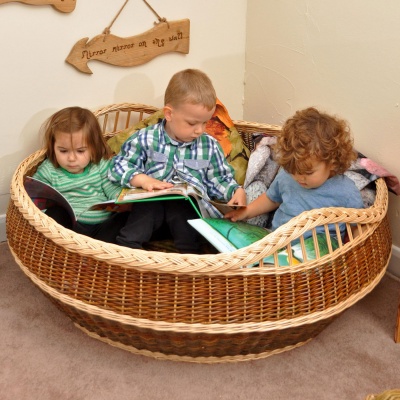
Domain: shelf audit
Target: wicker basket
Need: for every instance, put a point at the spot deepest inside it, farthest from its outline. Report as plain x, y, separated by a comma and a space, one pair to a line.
199, 308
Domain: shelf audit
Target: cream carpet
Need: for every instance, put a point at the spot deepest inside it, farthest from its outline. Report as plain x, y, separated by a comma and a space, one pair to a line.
44, 356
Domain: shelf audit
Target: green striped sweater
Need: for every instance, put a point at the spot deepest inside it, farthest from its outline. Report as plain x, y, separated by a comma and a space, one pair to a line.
81, 190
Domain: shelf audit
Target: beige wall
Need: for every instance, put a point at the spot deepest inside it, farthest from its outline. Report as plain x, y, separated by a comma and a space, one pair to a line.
342, 56
35, 80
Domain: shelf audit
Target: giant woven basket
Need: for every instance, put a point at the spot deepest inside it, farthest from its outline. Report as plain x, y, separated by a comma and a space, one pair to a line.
199, 308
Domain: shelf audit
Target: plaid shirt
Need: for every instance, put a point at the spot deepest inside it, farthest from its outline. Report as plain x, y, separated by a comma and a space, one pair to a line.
201, 163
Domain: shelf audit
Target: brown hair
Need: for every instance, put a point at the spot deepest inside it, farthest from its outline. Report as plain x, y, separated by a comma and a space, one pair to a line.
70, 120
190, 86
311, 134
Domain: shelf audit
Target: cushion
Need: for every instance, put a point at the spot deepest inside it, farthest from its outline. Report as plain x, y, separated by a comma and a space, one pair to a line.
119, 139
220, 126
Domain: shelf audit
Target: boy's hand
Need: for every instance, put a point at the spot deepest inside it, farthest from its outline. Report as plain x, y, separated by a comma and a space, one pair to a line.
148, 183
238, 198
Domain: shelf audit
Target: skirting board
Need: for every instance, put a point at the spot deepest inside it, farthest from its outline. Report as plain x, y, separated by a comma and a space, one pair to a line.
394, 263
393, 268
3, 237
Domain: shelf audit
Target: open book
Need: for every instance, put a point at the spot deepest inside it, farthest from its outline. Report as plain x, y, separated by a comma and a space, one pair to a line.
45, 196
178, 191
227, 236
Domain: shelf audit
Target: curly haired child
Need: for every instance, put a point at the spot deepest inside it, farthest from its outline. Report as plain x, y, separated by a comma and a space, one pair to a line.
314, 149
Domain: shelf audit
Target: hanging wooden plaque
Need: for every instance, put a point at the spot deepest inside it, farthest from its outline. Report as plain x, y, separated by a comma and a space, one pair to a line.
60, 5
169, 36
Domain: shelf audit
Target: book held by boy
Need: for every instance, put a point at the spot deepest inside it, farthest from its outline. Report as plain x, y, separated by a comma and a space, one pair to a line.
179, 189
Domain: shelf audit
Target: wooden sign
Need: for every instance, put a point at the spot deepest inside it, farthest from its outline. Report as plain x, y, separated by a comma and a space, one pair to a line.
169, 36
60, 5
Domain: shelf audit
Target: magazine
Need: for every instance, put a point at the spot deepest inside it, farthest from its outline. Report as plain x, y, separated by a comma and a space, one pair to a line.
45, 196
227, 236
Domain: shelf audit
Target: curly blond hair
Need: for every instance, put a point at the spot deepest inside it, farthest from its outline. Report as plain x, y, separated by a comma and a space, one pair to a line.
311, 135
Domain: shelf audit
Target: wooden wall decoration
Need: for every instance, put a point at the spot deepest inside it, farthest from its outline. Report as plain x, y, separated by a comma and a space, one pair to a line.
66, 6
166, 36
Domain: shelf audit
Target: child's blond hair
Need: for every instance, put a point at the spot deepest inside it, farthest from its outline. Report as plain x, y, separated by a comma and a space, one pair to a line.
190, 86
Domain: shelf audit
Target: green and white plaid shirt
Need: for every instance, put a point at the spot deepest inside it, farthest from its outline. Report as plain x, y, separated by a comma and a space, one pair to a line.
201, 163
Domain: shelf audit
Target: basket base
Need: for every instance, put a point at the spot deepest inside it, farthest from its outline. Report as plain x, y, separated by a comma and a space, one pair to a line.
202, 360
191, 345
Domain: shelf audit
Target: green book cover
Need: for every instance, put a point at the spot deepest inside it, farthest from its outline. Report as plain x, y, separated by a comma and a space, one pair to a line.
240, 234
310, 248
227, 236
179, 190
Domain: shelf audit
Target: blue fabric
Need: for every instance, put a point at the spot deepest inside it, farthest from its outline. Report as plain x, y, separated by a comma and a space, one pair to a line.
338, 191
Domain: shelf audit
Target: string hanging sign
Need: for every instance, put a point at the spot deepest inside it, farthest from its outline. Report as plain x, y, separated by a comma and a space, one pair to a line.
60, 5
165, 36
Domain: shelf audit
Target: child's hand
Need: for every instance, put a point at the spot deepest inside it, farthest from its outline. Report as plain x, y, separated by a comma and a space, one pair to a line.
261, 205
237, 215
153, 184
238, 198
148, 183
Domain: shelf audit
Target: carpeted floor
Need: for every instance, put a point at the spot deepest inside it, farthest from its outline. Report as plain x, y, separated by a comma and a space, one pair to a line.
44, 356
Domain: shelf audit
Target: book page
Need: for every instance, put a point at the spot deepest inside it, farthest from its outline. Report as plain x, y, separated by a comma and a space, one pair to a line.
224, 207
213, 236
226, 235
240, 234
45, 196
221, 206
132, 194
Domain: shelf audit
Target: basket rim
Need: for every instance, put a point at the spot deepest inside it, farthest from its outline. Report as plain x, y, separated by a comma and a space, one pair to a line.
190, 263
149, 109
174, 262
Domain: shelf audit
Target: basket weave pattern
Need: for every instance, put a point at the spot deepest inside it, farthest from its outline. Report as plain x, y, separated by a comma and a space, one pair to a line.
204, 308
